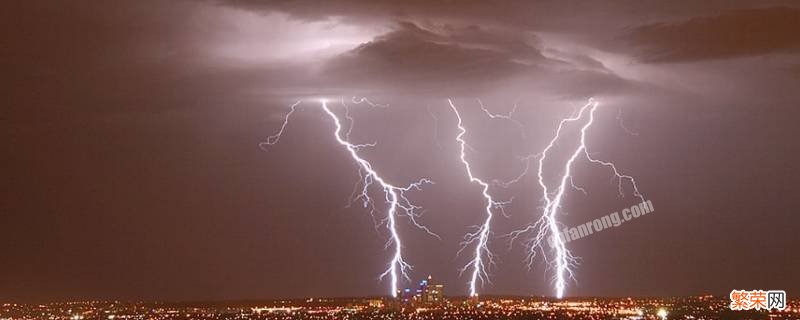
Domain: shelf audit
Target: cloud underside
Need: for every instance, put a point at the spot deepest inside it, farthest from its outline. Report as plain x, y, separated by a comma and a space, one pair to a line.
437, 48
728, 35
455, 60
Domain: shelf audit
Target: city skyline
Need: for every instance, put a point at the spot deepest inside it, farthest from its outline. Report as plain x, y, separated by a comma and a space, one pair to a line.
695, 307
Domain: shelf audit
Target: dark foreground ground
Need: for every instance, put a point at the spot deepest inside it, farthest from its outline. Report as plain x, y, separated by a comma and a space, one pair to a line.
696, 308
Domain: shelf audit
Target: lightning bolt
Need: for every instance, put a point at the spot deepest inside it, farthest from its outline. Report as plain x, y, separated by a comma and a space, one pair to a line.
481, 235
394, 196
273, 139
622, 124
509, 116
547, 227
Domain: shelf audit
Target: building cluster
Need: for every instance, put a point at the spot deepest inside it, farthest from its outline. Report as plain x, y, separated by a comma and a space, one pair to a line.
427, 293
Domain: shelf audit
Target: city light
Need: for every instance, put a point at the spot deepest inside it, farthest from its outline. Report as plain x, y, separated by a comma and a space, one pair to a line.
425, 301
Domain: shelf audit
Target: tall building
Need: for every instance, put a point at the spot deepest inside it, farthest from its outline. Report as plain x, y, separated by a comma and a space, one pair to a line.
406, 296
426, 294
435, 294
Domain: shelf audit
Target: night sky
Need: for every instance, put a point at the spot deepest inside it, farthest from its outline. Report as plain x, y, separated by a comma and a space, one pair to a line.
132, 167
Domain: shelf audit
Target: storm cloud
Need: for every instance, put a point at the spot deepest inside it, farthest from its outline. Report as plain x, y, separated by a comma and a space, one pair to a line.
727, 35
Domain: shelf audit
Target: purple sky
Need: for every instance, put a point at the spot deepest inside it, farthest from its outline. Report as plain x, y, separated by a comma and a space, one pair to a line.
132, 168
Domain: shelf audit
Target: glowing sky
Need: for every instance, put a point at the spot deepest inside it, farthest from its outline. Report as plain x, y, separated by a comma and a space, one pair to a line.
132, 167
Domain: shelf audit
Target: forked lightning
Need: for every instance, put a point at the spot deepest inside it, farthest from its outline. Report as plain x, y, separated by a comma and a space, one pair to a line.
394, 196
547, 227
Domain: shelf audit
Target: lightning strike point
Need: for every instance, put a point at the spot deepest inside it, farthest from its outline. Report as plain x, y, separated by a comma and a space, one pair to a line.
547, 227
394, 196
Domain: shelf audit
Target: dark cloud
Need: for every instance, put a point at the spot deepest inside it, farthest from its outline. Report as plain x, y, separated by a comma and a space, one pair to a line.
447, 60
423, 59
581, 18
728, 35
375, 11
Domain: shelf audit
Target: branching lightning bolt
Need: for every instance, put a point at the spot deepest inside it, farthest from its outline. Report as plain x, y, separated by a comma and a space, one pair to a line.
273, 139
435, 126
509, 116
395, 196
478, 265
547, 227
622, 124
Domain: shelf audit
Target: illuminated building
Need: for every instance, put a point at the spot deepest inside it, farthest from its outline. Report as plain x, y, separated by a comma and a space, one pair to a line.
428, 293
